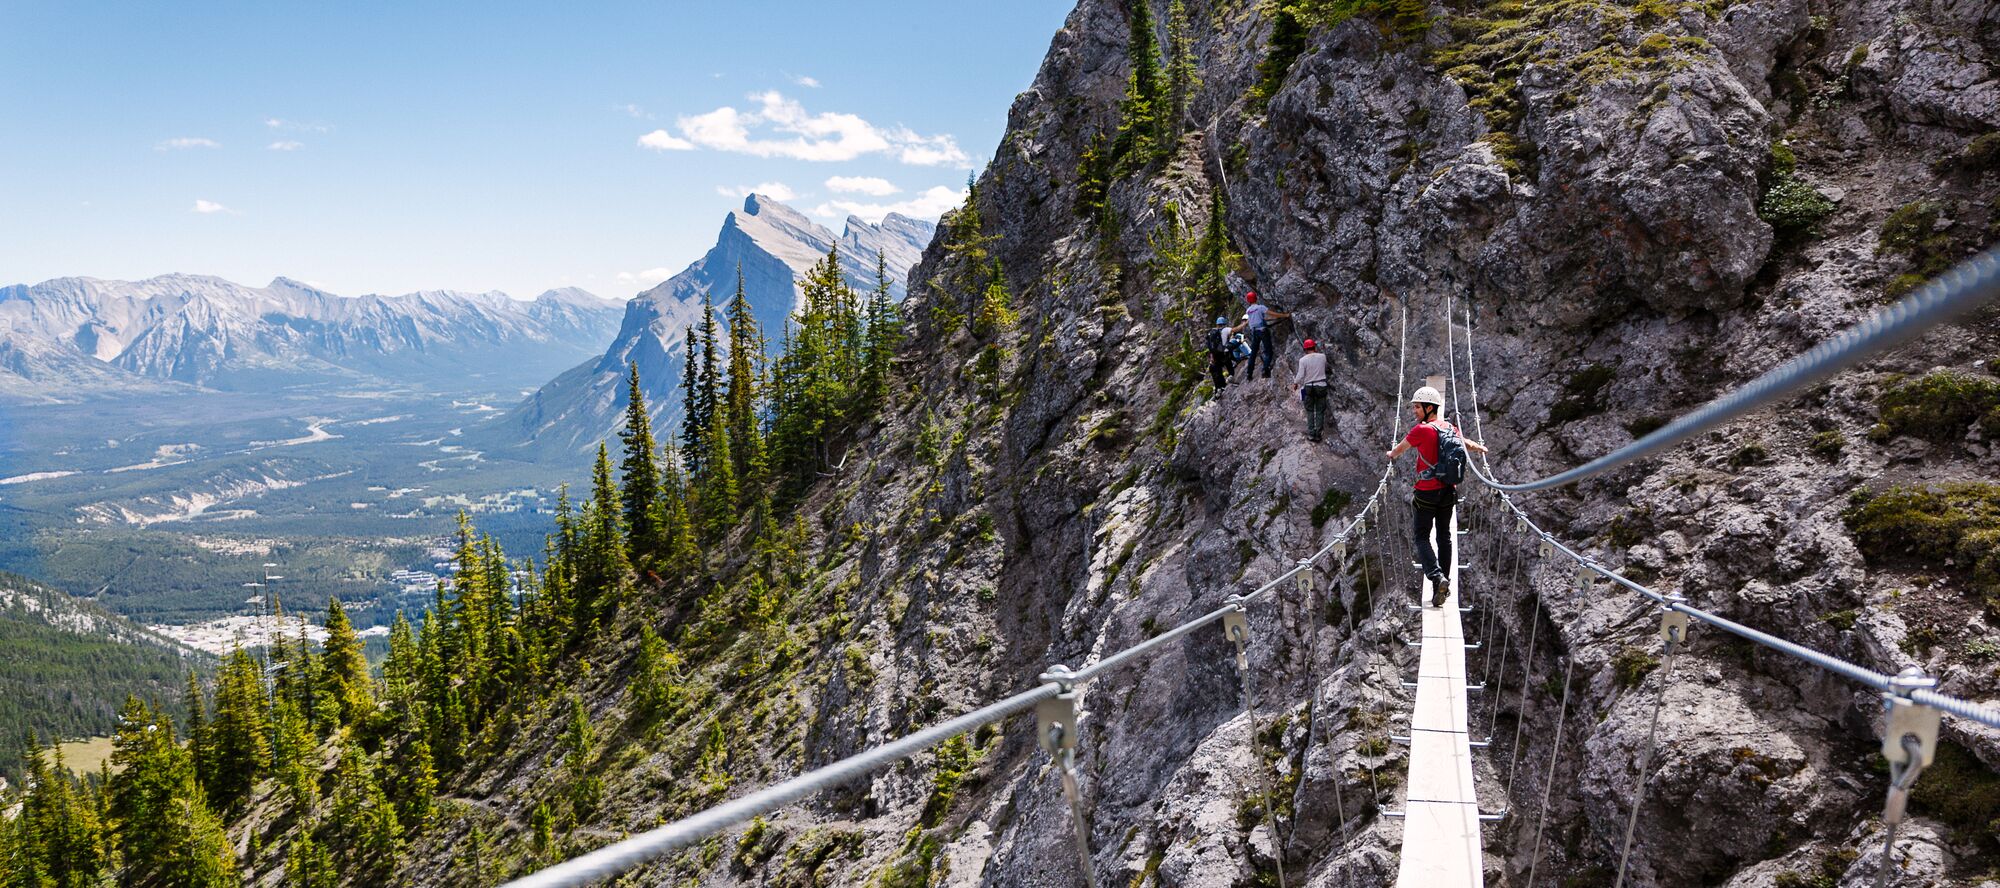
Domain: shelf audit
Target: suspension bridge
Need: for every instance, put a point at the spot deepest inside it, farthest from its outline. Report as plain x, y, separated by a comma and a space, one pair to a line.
1441, 812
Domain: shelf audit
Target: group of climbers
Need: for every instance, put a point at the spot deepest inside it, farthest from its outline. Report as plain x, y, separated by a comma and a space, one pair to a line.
1246, 340
1441, 448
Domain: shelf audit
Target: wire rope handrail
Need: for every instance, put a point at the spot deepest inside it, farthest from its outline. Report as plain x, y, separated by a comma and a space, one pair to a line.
1058, 682
1965, 287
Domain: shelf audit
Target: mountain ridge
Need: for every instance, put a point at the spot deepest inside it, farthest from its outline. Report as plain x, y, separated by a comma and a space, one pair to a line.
204, 330
772, 245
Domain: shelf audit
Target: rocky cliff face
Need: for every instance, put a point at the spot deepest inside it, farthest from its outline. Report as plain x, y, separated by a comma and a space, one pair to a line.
773, 246
1631, 207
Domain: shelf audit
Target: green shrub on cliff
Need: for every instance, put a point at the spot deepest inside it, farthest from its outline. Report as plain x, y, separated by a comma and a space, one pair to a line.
1938, 406
1957, 522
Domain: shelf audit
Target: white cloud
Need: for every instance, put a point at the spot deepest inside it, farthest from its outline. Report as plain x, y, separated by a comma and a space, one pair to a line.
286, 145
807, 82
661, 140
773, 190
632, 111
186, 142
303, 126
928, 205
868, 185
940, 150
826, 136
646, 278
207, 207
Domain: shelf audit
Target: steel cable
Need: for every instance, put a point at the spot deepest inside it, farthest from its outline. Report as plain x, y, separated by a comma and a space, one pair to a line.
1965, 287
1549, 779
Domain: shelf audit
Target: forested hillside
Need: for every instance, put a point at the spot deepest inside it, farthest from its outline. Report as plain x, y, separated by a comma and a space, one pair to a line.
69, 663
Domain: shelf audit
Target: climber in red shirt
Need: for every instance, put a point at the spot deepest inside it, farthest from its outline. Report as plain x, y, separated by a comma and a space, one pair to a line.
1434, 499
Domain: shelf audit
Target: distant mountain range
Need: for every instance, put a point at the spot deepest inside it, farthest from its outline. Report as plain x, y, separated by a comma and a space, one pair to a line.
72, 337
775, 246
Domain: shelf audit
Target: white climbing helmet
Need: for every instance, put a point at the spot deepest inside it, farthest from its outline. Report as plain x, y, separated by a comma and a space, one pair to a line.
1427, 395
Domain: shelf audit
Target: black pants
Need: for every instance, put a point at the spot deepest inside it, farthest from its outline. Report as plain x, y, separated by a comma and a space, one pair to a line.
1220, 365
1260, 344
1314, 398
1432, 509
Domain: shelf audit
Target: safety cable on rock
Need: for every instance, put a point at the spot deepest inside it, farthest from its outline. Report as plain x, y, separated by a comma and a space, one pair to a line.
1057, 684
1967, 286
1827, 662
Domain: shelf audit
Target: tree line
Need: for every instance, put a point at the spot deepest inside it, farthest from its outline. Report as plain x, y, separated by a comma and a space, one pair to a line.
350, 763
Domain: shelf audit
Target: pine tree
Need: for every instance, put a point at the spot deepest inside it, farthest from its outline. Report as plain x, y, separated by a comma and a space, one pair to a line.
718, 494
198, 745
308, 865
239, 737
815, 377
639, 474
996, 313
885, 336
746, 352
1182, 78
363, 818
676, 520
655, 692
150, 767
694, 425
1140, 141
419, 785
198, 853
708, 393
164, 829
603, 566
57, 838
294, 754
401, 679
346, 674
1214, 259
579, 745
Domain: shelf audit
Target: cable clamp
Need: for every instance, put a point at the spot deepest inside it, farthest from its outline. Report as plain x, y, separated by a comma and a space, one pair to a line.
1909, 738
1236, 625
1056, 718
1673, 624
1585, 573
1548, 547
1305, 575
1340, 552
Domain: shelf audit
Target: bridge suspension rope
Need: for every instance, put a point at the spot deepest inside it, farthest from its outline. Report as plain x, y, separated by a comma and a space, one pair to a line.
1910, 731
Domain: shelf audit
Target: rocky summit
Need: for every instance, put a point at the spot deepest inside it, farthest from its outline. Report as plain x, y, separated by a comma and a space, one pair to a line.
771, 246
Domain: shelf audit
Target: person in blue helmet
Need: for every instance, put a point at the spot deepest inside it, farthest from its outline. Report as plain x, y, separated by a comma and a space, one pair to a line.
1221, 353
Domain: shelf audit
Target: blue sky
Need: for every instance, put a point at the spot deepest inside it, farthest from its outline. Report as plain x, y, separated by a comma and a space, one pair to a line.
377, 147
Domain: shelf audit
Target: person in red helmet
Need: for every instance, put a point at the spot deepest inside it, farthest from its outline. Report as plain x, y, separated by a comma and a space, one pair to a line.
1258, 319
1310, 382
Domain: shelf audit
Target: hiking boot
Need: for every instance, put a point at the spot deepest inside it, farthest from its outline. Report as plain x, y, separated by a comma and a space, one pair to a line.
1440, 590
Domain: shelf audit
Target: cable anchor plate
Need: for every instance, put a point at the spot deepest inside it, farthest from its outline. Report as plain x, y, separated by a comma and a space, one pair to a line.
1236, 625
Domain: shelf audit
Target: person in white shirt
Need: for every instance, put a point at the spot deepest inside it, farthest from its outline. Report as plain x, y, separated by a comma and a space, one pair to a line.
1310, 382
